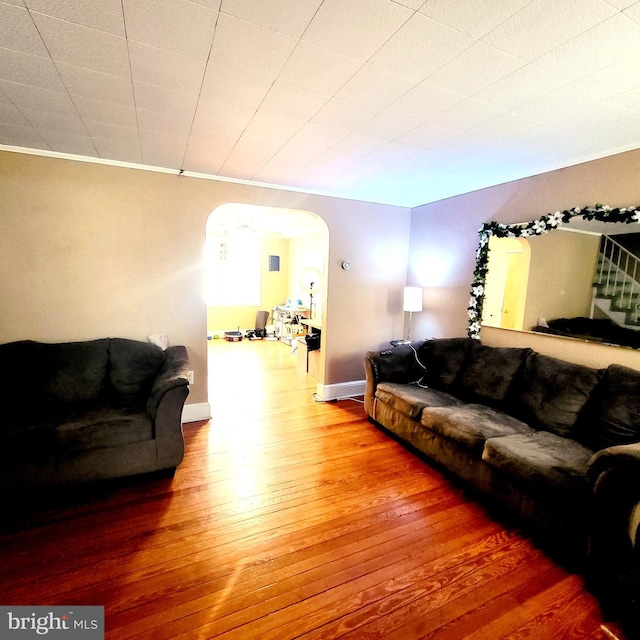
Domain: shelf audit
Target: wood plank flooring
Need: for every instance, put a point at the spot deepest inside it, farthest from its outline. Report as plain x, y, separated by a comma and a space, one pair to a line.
291, 519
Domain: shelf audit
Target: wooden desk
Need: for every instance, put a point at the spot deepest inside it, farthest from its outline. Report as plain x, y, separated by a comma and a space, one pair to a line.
312, 324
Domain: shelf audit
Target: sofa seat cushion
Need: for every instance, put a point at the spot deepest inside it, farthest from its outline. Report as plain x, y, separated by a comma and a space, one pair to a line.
35, 443
103, 428
542, 461
411, 399
471, 425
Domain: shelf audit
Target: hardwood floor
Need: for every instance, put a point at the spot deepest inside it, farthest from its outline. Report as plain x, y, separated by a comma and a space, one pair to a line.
291, 519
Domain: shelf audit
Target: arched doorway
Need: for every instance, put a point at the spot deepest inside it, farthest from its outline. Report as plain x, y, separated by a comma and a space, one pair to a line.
255, 259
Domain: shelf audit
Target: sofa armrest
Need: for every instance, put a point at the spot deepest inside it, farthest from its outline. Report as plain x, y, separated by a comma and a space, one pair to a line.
166, 402
614, 476
173, 373
168, 427
621, 461
397, 364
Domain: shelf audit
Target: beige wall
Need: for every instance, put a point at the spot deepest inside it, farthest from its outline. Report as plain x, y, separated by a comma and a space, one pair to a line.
561, 275
444, 235
90, 250
590, 354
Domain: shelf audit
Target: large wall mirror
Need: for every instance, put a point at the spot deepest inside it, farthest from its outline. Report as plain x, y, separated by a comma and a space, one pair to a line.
527, 278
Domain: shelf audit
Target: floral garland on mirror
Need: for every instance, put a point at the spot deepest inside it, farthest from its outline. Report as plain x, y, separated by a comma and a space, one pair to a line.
600, 212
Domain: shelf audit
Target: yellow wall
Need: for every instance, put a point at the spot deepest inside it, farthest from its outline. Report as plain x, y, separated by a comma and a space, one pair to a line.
274, 291
90, 250
505, 288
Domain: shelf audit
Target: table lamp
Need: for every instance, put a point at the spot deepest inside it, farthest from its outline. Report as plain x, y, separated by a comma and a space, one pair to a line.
411, 301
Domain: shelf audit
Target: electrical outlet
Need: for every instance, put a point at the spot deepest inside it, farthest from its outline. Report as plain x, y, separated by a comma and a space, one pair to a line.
191, 377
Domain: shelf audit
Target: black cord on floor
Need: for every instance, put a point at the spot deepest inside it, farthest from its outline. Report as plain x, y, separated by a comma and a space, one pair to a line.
317, 398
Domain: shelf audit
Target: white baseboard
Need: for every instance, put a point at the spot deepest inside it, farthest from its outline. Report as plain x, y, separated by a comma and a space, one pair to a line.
328, 392
195, 412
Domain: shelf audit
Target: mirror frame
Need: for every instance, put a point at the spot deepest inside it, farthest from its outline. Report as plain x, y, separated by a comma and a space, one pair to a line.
544, 224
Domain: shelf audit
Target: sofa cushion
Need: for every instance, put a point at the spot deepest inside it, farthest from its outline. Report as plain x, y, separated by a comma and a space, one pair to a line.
411, 399
134, 365
77, 371
551, 393
612, 415
471, 424
33, 442
488, 373
443, 359
39, 381
541, 461
102, 428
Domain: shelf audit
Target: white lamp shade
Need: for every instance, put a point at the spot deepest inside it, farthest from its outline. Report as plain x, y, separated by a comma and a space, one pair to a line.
412, 299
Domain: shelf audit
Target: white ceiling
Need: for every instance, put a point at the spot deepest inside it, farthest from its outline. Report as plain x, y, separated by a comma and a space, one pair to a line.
397, 101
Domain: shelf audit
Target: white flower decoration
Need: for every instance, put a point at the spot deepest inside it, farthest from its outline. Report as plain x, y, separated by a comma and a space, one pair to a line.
539, 226
555, 219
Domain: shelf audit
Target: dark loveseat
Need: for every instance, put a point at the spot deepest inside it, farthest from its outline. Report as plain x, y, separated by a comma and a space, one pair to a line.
83, 411
556, 443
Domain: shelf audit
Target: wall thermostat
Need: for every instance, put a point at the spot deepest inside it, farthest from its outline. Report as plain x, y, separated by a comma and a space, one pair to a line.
346, 265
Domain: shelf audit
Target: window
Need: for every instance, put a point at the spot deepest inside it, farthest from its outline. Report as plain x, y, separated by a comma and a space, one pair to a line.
233, 270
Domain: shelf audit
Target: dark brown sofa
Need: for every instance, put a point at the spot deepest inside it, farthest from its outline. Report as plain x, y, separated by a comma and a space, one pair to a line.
78, 412
555, 444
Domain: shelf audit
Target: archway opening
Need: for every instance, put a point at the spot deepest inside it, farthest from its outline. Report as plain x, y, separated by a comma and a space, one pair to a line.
255, 259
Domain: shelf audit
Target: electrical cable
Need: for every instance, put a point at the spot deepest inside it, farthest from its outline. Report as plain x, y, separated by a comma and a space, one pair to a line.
419, 380
317, 398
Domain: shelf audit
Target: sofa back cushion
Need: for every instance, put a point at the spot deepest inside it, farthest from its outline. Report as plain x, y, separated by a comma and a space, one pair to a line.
63, 373
551, 393
133, 367
40, 381
613, 413
488, 373
443, 359
77, 371
23, 393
